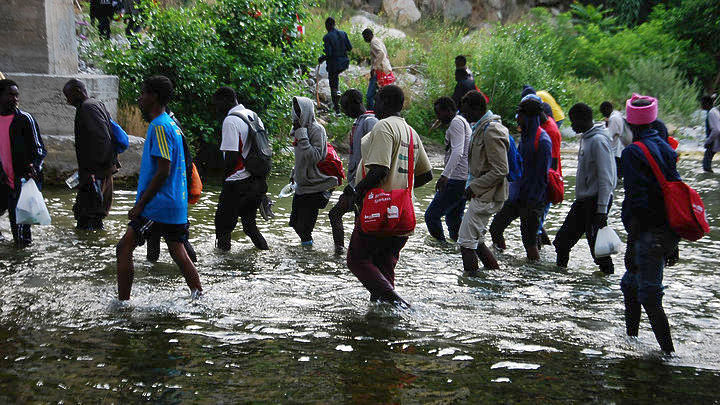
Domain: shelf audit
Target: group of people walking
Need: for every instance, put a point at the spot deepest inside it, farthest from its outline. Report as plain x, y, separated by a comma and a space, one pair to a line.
487, 181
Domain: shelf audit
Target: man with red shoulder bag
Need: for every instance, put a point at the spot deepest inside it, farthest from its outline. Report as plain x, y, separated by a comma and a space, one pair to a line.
386, 154
651, 243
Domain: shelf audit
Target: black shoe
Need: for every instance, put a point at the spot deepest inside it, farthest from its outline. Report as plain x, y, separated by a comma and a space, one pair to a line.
339, 250
222, 242
266, 208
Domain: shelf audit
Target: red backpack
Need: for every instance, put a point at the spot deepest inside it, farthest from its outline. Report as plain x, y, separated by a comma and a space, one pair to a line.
683, 206
555, 182
332, 165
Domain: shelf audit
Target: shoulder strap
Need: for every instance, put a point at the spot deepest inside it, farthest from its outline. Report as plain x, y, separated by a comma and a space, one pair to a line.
411, 160
653, 164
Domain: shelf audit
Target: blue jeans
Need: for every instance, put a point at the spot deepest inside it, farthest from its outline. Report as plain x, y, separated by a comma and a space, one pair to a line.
450, 203
542, 219
645, 262
372, 89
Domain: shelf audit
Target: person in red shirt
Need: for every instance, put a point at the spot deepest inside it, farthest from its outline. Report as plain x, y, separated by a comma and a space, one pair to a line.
548, 124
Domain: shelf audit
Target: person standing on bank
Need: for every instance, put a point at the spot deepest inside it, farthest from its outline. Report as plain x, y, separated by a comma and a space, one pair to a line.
162, 197
712, 132
651, 244
242, 192
336, 48
487, 186
615, 124
385, 152
95, 154
449, 201
313, 187
22, 153
352, 105
594, 185
527, 196
379, 62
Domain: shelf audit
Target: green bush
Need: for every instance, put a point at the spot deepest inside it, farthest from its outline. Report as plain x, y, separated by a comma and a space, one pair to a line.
238, 43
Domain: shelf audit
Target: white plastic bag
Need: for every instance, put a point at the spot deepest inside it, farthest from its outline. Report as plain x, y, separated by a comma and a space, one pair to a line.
607, 242
31, 208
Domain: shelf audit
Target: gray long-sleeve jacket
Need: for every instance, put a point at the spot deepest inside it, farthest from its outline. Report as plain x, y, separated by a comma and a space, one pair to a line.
362, 126
596, 171
310, 148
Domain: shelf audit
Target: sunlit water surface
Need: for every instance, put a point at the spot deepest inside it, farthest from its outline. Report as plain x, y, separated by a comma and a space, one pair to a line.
294, 325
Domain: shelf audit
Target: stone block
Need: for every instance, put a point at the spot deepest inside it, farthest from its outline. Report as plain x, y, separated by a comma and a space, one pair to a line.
38, 36
61, 161
41, 95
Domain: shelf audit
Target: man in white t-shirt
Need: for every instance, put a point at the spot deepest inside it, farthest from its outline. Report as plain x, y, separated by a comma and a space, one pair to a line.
615, 124
242, 193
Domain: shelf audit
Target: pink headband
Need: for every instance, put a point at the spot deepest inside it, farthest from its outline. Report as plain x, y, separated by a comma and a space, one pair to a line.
641, 115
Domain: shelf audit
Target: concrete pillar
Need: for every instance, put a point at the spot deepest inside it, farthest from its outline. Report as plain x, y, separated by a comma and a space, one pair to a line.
38, 36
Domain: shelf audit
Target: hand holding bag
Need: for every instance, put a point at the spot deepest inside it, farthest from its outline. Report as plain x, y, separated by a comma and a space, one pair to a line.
390, 213
607, 242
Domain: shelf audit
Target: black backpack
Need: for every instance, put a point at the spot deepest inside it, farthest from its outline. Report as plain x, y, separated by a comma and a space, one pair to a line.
259, 159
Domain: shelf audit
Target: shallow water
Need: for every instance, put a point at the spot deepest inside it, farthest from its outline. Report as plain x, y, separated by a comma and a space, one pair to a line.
294, 325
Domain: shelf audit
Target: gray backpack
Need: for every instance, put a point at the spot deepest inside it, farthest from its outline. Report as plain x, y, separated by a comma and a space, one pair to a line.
259, 159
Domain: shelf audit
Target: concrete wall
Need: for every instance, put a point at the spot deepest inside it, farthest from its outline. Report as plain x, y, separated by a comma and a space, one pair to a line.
38, 36
61, 161
41, 95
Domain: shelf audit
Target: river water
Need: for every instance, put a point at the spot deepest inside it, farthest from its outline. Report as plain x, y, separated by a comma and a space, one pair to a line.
294, 325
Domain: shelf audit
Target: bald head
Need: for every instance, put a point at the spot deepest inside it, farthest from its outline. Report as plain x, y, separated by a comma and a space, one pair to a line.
75, 92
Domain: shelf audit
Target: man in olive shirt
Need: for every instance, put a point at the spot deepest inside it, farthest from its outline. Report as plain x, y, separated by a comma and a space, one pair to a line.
372, 258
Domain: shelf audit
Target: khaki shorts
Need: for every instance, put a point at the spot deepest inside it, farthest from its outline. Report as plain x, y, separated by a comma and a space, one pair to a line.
475, 222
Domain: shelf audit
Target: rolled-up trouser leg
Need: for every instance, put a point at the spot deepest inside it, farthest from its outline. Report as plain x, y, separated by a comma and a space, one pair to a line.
361, 260
343, 206
509, 212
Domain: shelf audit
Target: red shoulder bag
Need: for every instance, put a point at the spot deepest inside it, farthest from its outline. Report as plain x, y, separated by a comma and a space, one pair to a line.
390, 213
683, 206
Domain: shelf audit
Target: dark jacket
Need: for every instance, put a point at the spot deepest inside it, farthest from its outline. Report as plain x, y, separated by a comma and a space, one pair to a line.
337, 45
532, 186
659, 126
644, 207
93, 140
27, 146
461, 88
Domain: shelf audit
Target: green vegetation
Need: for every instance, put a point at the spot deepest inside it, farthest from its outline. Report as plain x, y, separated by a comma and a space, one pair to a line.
244, 44
587, 54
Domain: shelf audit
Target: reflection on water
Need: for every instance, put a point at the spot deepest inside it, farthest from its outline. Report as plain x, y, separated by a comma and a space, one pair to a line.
294, 325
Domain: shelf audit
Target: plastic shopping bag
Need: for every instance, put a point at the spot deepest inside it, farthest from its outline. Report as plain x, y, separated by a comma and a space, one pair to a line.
607, 242
31, 208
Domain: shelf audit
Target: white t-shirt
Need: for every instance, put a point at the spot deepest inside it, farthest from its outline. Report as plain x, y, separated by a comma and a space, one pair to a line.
234, 133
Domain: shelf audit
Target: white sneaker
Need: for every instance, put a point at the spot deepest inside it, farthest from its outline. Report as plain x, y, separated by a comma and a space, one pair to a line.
195, 294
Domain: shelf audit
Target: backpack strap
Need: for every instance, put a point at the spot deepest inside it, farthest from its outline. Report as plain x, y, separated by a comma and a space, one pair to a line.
411, 160
653, 163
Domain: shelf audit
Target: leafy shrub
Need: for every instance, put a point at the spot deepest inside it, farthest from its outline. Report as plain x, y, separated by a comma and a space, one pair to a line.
238, 43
